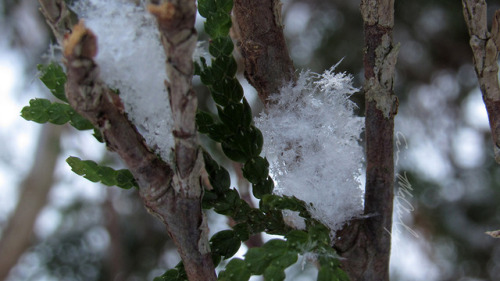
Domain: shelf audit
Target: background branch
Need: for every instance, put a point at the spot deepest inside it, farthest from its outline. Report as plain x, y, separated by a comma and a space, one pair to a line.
260, 40
485, 48
18, 233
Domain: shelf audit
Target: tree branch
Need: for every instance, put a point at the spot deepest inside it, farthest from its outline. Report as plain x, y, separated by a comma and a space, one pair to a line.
176, 20
485, 47
259, 33
174, 196
366, 243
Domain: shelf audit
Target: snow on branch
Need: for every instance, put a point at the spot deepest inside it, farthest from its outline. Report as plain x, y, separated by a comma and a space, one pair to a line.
132, 60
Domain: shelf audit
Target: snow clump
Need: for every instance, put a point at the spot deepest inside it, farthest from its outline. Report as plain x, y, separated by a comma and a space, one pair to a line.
311, 139
131, 59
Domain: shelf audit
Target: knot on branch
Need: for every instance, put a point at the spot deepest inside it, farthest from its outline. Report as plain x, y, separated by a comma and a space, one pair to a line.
81, 42
175, 15
165, 12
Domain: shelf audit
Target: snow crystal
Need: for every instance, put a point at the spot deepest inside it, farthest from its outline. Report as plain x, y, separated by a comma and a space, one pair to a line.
311, 139
132, 60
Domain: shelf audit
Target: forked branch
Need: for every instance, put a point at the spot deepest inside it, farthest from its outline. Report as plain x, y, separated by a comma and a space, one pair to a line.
173, 195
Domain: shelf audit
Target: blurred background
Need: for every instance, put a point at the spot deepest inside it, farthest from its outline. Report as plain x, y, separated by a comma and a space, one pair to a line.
447, 195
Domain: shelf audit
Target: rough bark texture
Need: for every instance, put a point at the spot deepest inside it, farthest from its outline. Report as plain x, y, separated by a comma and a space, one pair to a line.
485, 47
259, 34
17, 235
366, 243
187, 226
171, 194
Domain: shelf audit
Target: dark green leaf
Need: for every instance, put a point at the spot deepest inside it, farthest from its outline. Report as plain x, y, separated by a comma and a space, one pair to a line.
204, 121
256, 169
221, 181
263, 188
222, 46
59, 113
241, 231
319, 234
225, 5
222, 67
97, 135
176, 274
257, 260
326, 274
225, 243
205, 7
106, 175
37, 111
256, 141
226, 205
218, 24
274, 273
297, 239
80, 123
236, 270
43, 111
54, 78
234, 154
246, 118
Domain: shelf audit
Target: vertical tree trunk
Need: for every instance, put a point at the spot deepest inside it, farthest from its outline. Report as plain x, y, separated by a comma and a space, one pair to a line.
485, 47
366, 244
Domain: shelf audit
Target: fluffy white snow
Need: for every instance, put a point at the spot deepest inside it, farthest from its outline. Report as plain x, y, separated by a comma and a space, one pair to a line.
132, 60
311, 139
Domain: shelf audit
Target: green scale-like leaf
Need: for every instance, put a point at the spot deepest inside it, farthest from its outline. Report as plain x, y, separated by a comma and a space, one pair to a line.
54, 78
43, 111
106, 175
236, 270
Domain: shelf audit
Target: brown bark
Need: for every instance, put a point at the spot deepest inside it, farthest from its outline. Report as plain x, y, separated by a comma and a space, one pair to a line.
172, 195
485, 47
188, 229
58, 17
366, 243
18, 234
259, 33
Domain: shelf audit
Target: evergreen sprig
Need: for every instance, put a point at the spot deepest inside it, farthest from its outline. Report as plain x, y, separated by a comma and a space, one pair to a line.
242, 142
96, 173
43, 110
